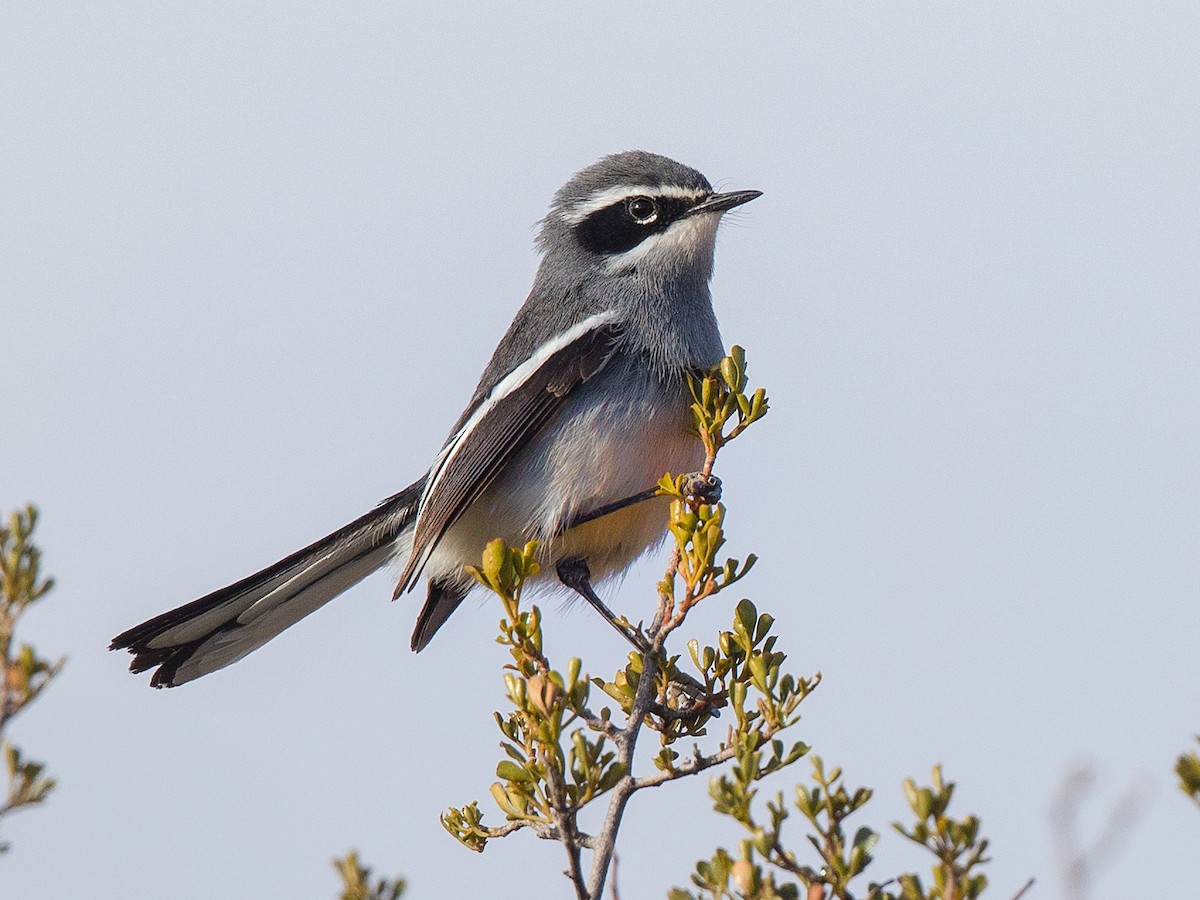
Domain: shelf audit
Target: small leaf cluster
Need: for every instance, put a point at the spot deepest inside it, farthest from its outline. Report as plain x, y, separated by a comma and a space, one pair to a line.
747, 658
1187, 767
26, 674
27, 786
720, 396
955, 843
696, 521
698, 532
826, 804
724, 877
764, 856
744, 669
357, 883
21, 583
552, 769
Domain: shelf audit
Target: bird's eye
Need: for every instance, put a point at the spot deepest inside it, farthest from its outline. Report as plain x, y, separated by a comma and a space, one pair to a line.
643, 210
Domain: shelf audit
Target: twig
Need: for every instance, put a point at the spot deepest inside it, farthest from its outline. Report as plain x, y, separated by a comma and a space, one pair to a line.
607, 727
1079, 865
606, 838
543, 830
565, 821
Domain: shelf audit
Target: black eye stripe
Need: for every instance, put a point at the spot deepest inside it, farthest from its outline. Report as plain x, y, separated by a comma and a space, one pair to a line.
614, 229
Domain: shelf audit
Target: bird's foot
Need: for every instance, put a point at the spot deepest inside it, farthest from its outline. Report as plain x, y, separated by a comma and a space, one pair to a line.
702, 488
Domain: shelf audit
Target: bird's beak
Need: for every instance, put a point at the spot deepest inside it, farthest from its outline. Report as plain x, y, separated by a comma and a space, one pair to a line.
719, 203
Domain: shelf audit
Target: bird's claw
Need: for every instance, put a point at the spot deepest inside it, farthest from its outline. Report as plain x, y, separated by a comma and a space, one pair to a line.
702, 488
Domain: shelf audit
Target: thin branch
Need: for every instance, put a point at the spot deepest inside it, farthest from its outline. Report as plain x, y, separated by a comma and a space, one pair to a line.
784, 860
669, 714
691, 767
543, 830
607, 727
1079, 865
564, 819
606, 838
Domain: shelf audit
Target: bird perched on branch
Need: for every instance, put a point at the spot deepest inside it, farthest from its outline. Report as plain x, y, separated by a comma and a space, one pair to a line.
582, 408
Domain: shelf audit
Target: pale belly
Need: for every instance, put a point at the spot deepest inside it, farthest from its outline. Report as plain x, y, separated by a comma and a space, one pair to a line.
604, 446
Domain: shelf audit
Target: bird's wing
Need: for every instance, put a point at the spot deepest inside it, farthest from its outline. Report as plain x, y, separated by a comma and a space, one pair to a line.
500, 425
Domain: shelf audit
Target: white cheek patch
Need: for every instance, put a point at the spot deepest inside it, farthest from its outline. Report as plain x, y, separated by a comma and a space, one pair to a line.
680, 245
609, 196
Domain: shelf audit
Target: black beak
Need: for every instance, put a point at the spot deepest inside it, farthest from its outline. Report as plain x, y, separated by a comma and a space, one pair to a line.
719, 203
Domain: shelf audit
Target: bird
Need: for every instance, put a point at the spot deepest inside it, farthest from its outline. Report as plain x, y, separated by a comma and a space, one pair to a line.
582, 408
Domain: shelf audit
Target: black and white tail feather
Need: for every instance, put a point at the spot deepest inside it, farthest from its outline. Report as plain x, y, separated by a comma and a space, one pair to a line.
582, 407
222, 627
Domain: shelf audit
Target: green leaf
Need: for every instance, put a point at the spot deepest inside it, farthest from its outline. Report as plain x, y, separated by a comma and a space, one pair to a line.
510, 771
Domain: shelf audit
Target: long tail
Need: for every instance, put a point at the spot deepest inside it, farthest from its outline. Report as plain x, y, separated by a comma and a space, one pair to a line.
222, 627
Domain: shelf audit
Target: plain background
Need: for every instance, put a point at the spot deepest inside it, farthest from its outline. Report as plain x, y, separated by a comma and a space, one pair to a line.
254, 256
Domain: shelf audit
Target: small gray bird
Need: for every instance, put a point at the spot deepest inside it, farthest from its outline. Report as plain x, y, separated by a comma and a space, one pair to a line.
582, 408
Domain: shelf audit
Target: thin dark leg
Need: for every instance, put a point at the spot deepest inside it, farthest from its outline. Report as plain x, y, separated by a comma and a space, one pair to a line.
599, 512
574, 573
705, 488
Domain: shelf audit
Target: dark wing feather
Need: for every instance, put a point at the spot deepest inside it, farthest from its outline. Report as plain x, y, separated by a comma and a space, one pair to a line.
478, 453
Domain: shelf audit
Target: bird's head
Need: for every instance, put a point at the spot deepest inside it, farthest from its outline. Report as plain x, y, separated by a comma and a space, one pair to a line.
637, 212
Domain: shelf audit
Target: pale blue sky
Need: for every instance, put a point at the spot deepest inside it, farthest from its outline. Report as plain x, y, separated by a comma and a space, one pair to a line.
252, 260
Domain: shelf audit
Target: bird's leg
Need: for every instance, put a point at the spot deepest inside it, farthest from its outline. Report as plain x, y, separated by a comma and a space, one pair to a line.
704, 488
600, 511
574, 573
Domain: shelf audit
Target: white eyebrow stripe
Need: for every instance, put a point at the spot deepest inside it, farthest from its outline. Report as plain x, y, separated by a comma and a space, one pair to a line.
609, 196
505, 386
